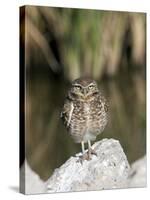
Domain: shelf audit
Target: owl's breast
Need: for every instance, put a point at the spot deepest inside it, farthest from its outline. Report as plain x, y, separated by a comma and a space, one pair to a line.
87, 121
95, 117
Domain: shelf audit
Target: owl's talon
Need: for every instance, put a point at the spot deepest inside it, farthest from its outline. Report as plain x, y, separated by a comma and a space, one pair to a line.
92, 151
84, 156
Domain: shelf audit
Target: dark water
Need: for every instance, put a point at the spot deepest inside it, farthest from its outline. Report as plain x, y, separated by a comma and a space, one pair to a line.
48, 144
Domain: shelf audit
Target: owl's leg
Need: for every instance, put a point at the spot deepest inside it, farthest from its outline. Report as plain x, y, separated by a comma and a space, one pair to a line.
89, 144
90, 150
82, 145
84, 153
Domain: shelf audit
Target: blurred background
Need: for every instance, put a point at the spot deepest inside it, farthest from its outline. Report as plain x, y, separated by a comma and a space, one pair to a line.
62, 44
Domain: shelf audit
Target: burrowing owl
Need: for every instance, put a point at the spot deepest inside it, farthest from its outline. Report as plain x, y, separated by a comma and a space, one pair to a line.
84, 112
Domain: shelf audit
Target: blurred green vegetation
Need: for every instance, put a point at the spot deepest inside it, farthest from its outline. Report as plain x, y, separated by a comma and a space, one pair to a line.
62, 44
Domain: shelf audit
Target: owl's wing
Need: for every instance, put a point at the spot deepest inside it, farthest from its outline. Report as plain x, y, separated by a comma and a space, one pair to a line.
105, 103
66, 112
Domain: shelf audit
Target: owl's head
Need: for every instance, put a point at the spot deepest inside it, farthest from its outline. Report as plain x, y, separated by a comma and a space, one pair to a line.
83, 88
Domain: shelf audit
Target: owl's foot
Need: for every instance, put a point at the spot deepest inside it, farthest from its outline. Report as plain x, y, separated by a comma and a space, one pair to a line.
92, 151
87, 155
84, 157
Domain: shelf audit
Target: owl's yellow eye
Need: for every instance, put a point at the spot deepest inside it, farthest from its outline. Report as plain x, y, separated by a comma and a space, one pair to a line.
91, 87
77, 87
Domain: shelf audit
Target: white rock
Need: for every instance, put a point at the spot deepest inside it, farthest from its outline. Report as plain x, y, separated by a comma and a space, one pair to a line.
138, 175
30, 182
109, 169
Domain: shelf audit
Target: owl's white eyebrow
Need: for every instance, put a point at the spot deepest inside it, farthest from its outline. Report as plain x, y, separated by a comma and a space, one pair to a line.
76, 84
91, 84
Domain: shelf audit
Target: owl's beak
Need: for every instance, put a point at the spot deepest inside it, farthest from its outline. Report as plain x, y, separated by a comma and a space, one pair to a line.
85, 92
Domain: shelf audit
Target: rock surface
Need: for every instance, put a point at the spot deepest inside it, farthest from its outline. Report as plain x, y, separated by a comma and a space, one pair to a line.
109, 169
30, 182
137, 177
